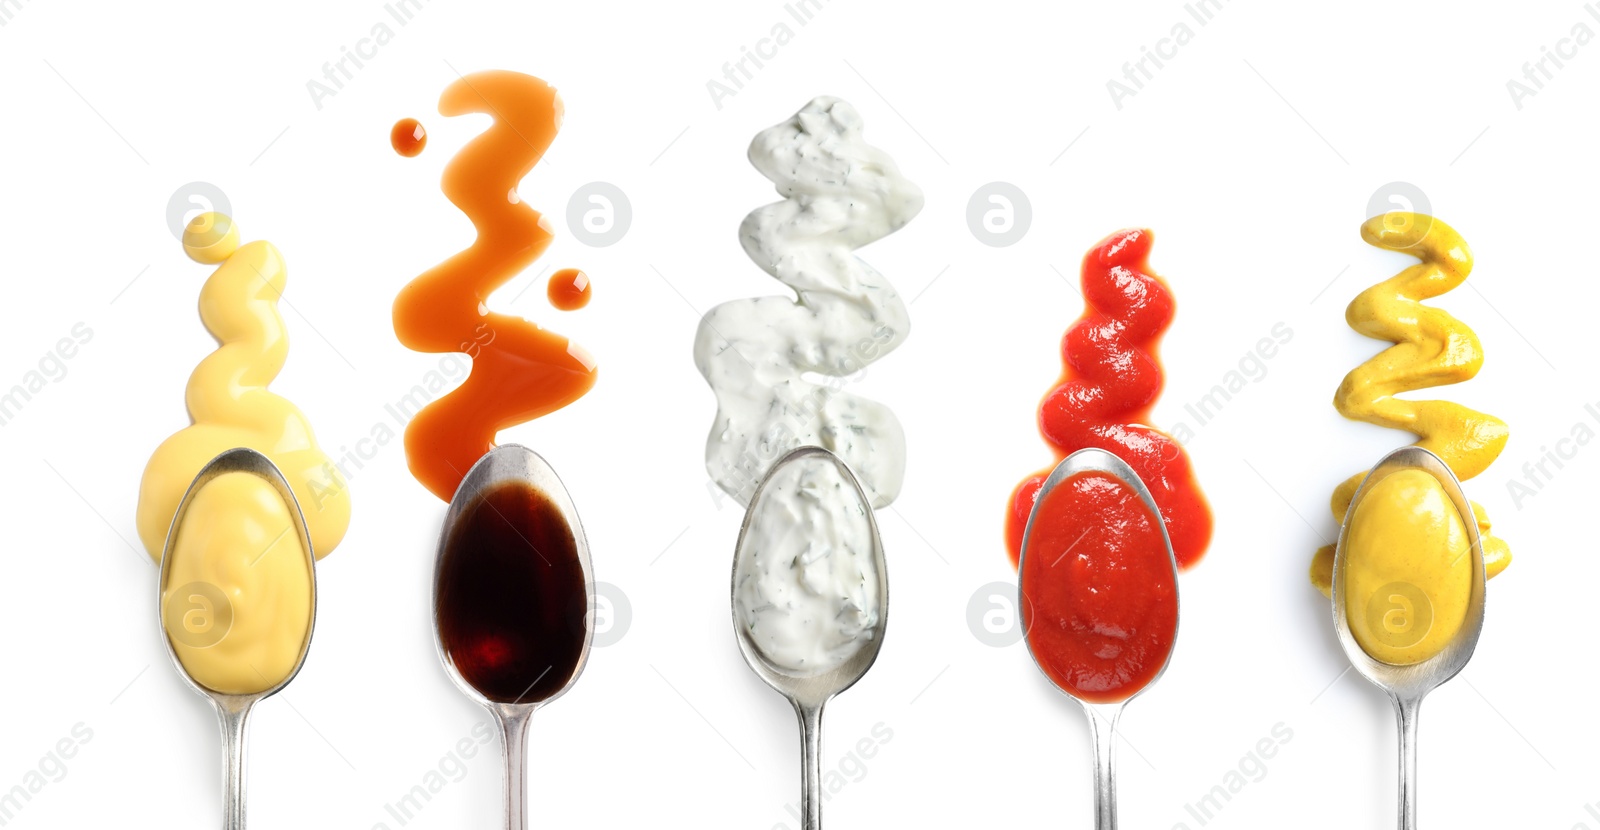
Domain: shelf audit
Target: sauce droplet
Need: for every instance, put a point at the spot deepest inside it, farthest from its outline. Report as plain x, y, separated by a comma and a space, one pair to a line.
569, 289
408, 137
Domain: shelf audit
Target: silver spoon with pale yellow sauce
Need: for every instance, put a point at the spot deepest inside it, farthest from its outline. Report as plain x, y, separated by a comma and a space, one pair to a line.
237, 632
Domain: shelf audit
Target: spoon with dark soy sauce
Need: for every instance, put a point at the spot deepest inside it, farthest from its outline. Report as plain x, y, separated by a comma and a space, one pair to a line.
513, 598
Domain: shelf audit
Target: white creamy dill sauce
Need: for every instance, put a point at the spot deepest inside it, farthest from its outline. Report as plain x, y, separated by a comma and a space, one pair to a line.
805, 581
840, 193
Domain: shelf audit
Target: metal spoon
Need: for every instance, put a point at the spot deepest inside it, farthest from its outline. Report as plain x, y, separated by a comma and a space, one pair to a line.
505, 463
809, 693
1102, 737
233, 711
1408, 685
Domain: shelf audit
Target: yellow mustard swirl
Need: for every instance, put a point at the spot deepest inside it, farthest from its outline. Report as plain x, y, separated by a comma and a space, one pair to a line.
237, 596
228, 397
1431, 348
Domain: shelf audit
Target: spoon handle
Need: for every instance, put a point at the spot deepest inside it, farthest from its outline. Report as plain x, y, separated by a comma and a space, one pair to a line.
810, 764
514, 721
1103, 734
233, 714
1406, 709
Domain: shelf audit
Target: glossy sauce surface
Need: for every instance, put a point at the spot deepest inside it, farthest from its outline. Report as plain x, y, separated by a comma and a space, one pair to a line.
236, 601
568, 289
1408, 572
510, 596
1431, 348
1111, 379
519, 370
228, 398
408, 138
1100, 601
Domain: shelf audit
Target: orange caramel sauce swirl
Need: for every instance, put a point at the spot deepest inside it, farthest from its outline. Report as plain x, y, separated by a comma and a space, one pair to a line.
520, 371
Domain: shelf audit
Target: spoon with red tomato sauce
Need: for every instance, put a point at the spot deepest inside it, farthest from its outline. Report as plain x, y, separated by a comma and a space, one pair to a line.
1098, 586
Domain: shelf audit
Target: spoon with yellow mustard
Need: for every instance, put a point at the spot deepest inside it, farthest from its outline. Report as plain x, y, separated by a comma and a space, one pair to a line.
1408, 589
237, 597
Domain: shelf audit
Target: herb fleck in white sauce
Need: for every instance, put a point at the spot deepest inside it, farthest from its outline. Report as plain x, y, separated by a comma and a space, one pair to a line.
840, 193
805, 578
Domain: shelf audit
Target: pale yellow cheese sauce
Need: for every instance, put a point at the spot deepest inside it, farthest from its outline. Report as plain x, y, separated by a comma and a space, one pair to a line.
228, 398
236, 600
238, 593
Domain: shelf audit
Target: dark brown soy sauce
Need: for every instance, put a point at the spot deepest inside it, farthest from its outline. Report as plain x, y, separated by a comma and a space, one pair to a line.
510, 595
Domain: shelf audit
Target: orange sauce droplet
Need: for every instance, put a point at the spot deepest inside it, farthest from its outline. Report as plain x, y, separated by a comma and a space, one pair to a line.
408, 137
569, 289
520, 371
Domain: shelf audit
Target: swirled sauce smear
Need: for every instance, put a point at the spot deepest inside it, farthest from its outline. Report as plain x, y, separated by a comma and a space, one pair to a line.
1408, 569
1431, 348
805, 579
1112, 378
236, 598
840, 193
519, 370
228, 397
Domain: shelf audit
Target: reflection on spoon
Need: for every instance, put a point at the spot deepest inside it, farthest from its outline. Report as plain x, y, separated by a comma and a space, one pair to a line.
237, 596
512, 597
810, 593
1098, 593
1452, 599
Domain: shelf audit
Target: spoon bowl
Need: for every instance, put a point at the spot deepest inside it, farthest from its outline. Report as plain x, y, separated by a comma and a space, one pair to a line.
1103, 717
1408, 685
233, 710
508, 464
809, 692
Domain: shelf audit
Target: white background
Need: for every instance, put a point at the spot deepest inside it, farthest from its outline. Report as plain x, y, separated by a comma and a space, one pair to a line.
1253, 155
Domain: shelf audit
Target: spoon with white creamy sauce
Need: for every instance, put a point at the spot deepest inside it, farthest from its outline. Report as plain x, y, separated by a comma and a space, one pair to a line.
810, 593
